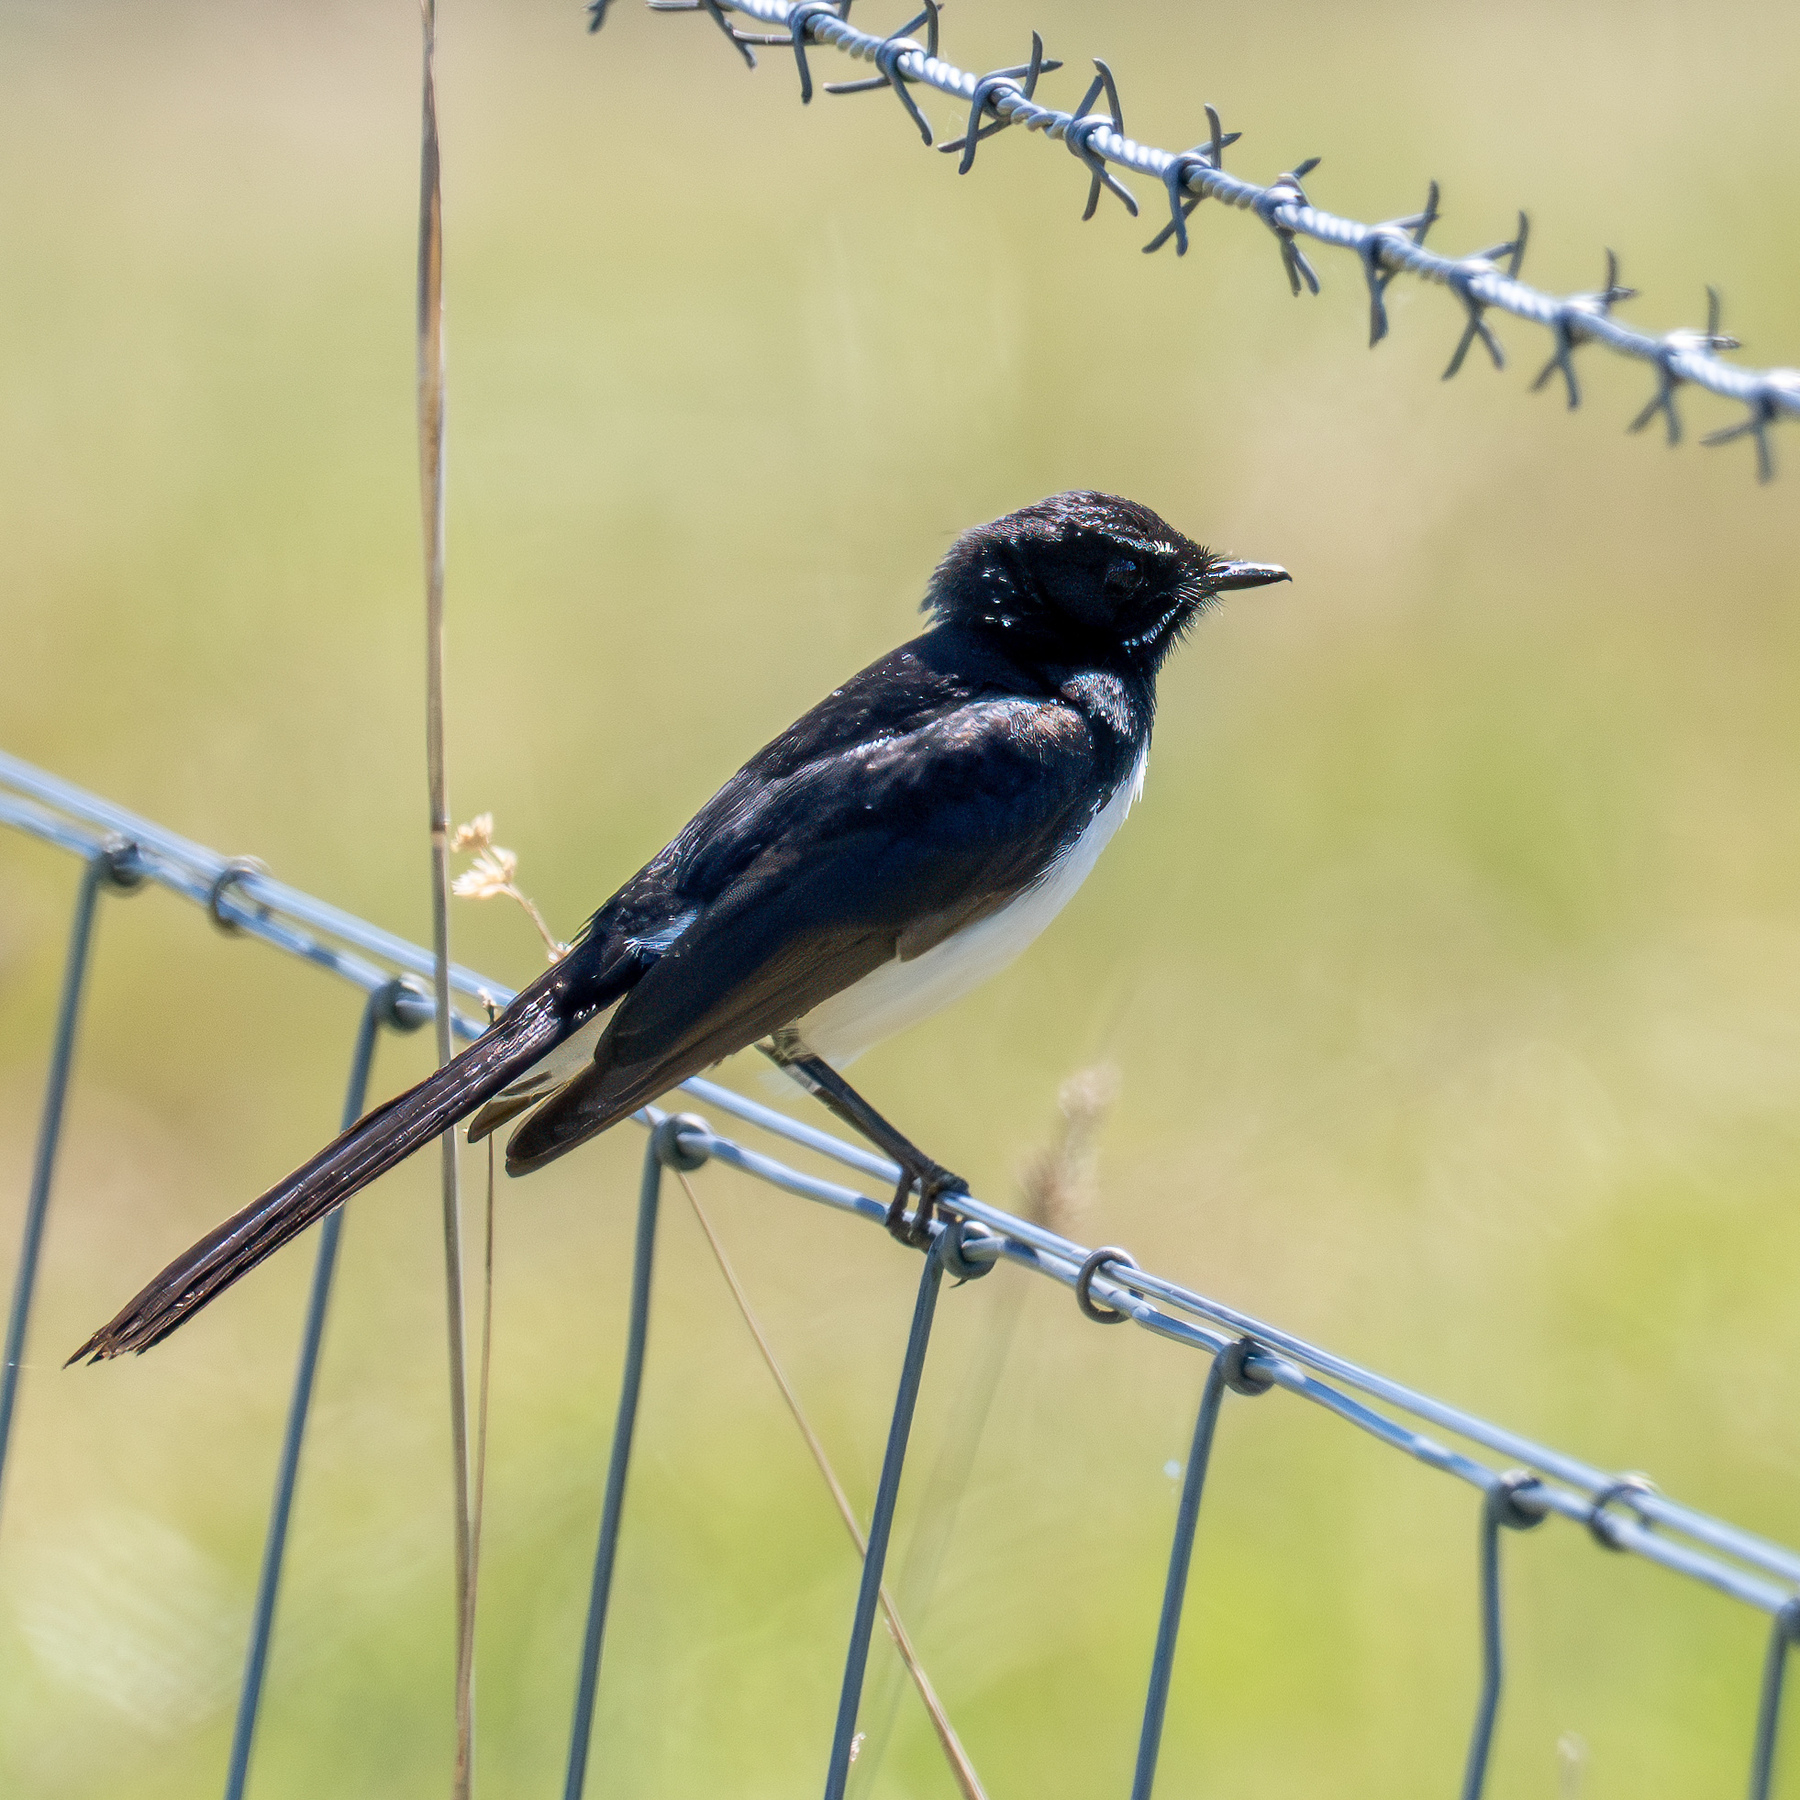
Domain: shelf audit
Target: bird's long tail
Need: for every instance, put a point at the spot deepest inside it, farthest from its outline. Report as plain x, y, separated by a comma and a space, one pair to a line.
371, 1146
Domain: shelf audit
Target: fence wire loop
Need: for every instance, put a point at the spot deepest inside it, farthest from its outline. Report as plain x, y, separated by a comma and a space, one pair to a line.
959, 1243
1096, 1264
1236, 1371
1602, 1521
1509, 1500
673, 1141
120, 865
401, 1005
238, 869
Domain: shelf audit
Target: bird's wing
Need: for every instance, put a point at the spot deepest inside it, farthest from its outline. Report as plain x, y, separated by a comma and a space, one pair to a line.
875, 851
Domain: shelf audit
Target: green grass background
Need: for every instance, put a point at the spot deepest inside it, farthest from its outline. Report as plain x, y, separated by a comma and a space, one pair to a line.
1451, 965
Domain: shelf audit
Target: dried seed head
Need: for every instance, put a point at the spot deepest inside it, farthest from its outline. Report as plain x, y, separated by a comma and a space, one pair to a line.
1057, 1187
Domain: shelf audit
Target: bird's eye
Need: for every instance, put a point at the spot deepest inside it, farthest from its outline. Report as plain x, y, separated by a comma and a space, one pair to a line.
1124, 574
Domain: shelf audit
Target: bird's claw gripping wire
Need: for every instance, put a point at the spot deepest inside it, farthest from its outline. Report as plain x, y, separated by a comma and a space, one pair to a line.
1410, 230
1285, 190
1081, 125
1484, 262
1568, 332
1674, 344
934, 1183
887, 60
1203, 158
985, 98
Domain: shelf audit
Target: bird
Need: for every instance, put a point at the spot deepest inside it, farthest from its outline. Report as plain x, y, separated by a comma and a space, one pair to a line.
899, 843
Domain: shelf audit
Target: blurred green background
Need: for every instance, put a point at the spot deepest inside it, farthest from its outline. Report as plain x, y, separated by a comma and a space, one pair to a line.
1451, 967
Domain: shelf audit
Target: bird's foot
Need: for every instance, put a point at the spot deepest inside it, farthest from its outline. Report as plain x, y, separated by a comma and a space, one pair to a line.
933, 1183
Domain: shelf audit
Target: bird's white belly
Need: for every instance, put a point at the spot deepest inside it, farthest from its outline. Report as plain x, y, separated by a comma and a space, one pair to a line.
899, 993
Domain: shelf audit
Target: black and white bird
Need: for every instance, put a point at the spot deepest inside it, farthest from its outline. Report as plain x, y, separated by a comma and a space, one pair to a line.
903, 841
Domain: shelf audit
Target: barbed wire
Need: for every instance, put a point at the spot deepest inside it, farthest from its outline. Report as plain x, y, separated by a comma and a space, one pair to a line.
1482, 280
1249, 1356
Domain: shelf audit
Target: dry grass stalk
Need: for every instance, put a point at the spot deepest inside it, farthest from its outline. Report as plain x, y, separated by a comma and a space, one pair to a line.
961, 1769
431, 502
1057, 1186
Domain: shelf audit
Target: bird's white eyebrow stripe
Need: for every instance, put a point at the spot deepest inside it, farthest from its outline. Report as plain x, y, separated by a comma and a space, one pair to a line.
661, 940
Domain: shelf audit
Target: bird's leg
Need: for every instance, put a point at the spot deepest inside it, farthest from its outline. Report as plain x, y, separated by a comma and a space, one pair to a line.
917, 1169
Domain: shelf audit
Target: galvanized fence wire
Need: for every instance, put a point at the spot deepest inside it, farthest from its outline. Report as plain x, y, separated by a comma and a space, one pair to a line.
1248, 1356
1482, 281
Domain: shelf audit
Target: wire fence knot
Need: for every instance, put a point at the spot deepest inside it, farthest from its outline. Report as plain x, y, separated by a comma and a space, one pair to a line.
1603, 1522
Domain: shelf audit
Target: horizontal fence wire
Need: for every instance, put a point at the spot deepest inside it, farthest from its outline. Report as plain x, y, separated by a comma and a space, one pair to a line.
1482, 280
1250, 1357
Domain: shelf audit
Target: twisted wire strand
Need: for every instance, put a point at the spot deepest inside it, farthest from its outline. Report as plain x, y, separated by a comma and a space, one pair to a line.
1684, 356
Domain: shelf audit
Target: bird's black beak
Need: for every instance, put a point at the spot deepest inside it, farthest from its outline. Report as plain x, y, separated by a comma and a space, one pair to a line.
1225, 574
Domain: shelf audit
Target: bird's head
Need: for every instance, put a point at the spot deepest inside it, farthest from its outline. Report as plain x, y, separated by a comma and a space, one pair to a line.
1084, 575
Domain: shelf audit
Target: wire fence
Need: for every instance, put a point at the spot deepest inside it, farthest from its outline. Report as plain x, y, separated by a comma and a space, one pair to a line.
1520, 1483
1481, 280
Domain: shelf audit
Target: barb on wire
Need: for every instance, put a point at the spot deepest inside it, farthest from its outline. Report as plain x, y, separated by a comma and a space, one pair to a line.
982, 99
1377, 273
798, 16
1079, 131
1764, 409
1667, 376
1286, 191
1480, 281
1175, 178
887, 60
1484, 262
1569, 328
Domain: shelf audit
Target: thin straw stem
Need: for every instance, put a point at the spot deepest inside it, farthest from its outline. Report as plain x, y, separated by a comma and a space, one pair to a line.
431, 496
961, 1769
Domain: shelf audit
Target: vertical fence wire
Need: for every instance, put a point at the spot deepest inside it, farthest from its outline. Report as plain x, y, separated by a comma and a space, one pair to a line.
398, 1007
665, 1149
881, 1522
1187, 1516
1229, 1370
1768, 1713
1507, 1502
112, 865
